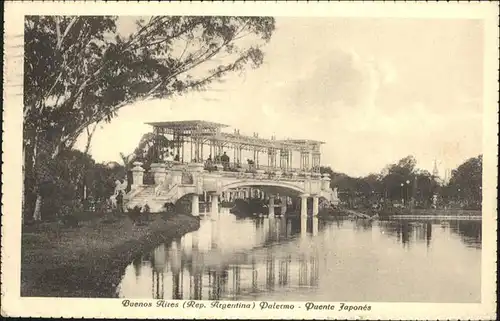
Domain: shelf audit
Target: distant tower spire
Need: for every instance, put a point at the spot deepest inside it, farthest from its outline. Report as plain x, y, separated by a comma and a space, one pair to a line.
435, 171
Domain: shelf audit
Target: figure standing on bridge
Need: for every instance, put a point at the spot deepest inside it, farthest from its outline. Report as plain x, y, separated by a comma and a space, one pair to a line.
250, 164
208, 163
170, 157
225, 161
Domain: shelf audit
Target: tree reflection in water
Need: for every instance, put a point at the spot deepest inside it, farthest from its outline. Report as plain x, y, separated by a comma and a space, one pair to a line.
469, 231
137, 263
408, 231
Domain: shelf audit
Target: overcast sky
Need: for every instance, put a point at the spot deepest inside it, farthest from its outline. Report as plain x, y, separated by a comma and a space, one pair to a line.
375, 90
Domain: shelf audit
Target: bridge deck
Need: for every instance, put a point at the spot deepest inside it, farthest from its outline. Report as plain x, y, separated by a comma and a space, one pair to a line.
231, 168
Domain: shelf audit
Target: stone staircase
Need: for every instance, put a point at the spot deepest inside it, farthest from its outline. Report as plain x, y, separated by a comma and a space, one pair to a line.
141, 198
155, 202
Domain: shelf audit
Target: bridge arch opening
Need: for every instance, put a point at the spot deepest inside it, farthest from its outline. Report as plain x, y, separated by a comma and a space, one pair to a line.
270, 188
184, 203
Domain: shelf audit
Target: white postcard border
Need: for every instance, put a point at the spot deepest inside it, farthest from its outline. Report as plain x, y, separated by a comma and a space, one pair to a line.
14, 305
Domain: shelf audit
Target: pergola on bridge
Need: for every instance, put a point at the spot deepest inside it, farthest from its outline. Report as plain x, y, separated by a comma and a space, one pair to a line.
198, 141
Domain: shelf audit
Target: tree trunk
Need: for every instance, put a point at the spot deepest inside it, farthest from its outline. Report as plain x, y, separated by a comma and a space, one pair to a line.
29, 181
90, 134
37, 213
40, 170
23, 192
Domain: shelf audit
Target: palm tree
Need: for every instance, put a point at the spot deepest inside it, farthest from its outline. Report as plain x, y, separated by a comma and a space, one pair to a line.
127, 160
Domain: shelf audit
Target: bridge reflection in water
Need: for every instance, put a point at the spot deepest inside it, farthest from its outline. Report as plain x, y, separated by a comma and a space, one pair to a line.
296, 259
206, 265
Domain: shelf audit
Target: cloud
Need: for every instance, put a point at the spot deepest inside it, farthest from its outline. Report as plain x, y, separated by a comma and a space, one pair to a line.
341, 81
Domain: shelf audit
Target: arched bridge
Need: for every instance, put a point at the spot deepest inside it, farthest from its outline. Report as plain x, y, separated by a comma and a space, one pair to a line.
192, 173
175, 181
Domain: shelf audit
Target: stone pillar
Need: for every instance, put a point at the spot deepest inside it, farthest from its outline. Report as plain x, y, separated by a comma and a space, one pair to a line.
176, 174
315, 226
288, 229
195, 205
137, 175
215, 204
271, 206
196, 239
315, 205
325, 182
303, 205
283, 205
214, 240
303, 225
159, 172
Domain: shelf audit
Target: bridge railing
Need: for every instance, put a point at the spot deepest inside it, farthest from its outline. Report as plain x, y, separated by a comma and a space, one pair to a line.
252, 168
287, 176
211, 165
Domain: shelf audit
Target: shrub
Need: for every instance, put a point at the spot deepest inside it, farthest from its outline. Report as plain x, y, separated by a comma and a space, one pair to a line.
70, 220
169, 207
134, 213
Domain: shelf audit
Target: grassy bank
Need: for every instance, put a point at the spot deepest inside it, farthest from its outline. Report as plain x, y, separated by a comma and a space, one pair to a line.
88, 260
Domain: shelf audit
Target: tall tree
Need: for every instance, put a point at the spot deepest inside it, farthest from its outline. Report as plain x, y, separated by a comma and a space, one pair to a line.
424, 188
466, 182
79, 71
403, 172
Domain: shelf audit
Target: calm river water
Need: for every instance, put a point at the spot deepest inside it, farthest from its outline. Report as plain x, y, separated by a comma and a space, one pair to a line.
277, 259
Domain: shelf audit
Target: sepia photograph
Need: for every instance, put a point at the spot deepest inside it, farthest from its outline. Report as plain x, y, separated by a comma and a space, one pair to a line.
253, 161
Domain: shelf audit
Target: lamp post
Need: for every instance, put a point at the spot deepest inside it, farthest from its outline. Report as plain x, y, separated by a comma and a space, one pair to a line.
408, 192
402, 194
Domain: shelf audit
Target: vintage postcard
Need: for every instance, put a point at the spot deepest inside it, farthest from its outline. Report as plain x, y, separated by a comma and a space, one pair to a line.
250, 160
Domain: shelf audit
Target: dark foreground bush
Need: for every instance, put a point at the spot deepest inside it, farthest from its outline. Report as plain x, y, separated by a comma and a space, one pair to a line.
169, 207
70, 220
134, 213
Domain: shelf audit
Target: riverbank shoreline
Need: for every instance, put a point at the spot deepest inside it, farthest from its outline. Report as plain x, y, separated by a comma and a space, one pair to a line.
437, 214
89, 260
416, 214
437, 217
